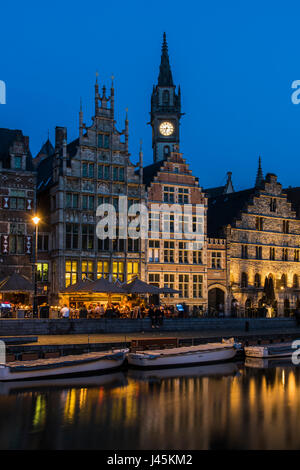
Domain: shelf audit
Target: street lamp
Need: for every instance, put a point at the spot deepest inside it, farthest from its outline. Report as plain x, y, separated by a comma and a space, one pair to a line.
36, 221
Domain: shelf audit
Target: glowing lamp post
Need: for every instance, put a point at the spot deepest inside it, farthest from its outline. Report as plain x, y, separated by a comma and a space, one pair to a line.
36, 221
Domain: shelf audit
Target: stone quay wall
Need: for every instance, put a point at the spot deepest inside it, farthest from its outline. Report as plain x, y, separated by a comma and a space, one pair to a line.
93, 326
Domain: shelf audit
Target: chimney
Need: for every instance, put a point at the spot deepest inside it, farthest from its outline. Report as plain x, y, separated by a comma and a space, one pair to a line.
60, 136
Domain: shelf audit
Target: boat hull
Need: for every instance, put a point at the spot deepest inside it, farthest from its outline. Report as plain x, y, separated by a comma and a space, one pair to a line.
189, 359
69, 366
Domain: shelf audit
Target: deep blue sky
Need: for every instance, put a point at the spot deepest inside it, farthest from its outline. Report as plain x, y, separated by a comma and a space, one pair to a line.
235, 62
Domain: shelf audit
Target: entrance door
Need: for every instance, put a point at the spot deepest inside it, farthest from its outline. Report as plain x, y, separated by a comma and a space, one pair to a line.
216, 301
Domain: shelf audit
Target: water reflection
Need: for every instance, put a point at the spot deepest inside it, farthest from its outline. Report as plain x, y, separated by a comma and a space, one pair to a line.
250, 406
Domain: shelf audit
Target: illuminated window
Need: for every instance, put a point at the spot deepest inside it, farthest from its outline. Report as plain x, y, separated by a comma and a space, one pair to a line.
42, 272
70, 272
87, 270
132, 270
102, 269
118, 270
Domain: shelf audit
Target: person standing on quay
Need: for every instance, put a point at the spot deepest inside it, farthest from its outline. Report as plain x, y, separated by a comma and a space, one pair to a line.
151, 314
65, 311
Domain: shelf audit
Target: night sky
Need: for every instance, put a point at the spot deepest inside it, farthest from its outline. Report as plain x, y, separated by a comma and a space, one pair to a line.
235, 62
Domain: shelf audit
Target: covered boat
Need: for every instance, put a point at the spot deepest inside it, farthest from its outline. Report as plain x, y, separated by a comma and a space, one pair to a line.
270, 350
89, 363
183, 356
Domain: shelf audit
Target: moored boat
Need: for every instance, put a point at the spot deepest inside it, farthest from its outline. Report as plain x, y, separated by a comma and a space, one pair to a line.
183, 356
270, 350
89, 363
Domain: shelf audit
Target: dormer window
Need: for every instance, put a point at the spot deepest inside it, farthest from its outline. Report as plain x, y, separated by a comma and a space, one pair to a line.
17, 162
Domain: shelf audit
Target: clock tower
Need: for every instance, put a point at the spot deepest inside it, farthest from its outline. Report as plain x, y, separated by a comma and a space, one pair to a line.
165, 110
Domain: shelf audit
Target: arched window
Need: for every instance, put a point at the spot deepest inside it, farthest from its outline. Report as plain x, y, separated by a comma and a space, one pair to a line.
257, 281
244, 280
166, 97
166, 150
283, 280
295, 281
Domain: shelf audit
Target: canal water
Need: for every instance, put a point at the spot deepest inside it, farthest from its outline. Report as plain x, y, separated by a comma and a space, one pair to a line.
252, 405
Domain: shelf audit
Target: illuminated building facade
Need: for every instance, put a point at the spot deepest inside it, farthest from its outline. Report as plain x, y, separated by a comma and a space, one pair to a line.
262, 232
172, 261
92, 170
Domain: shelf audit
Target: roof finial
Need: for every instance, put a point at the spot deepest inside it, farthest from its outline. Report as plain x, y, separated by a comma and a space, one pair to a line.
165, 44
259, 176
165, 75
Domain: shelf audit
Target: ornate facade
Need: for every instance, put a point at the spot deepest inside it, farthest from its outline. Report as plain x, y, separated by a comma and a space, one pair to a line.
94, 169
262, 233
17, 204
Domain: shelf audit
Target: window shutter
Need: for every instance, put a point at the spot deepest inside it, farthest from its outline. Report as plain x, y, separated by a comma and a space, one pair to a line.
5, 244
6, 203
28, 245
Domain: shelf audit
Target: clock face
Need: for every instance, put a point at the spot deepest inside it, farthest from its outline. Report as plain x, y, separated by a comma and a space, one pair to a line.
166, 128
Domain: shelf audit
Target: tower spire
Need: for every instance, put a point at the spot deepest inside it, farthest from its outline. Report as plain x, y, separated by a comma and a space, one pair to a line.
165, 75
259, 176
